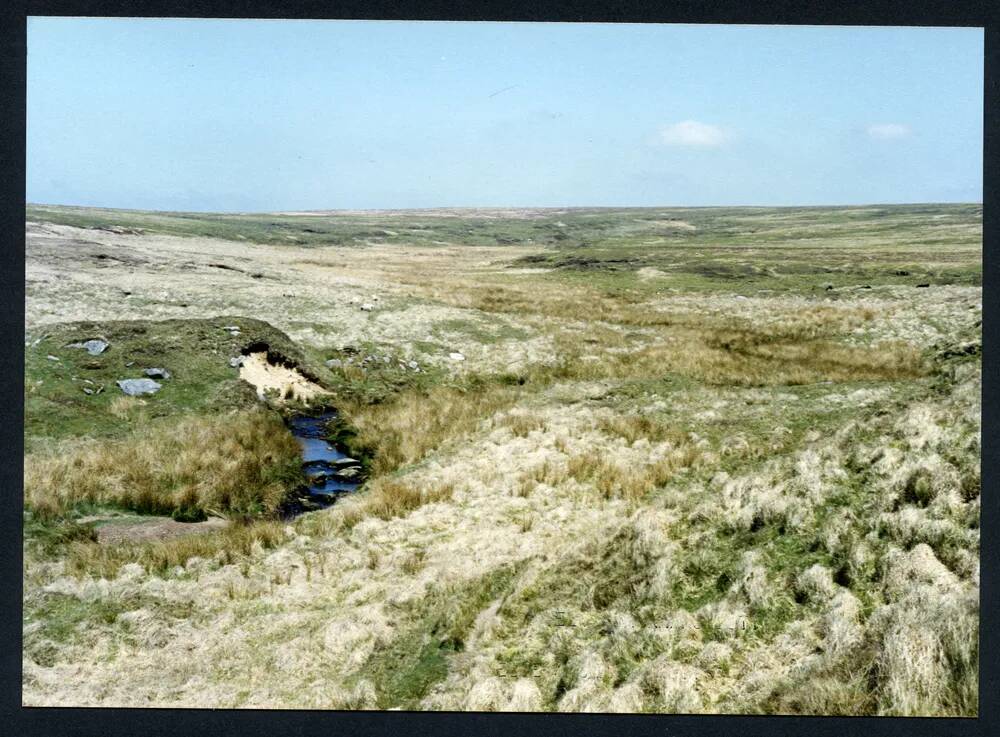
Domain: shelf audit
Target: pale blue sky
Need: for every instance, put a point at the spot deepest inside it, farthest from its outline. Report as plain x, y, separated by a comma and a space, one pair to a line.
269, 115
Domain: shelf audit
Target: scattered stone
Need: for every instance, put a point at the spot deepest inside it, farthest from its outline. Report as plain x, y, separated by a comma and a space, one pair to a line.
386, 359
231, 328
740, 296
157, 373
130, 364
456, 356
367, 307
87, 391
345, 461
236, 362
137, 387
414, 365
95, 347
334, 363
52, 358
348, 473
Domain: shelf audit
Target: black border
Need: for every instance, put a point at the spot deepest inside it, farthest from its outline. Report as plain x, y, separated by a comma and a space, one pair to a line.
16, 720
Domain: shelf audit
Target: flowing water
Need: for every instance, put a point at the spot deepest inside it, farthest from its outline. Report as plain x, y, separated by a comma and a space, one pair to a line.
329, 471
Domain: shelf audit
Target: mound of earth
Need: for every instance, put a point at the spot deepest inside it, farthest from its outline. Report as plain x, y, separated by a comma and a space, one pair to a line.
78, 395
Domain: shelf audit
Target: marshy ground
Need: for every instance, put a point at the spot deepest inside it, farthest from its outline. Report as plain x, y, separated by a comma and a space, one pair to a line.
684, 460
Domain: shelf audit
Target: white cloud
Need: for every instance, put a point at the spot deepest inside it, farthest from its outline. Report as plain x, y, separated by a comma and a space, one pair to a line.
692, 133
888, 131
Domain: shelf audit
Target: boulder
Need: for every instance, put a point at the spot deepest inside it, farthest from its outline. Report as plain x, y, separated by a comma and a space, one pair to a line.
334, 363
157, 373
138, 387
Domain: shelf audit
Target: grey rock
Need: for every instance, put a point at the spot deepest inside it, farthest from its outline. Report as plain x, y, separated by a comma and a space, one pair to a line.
87, 391
138, 387
52, 358
334, 363
230, 328
348, 473
94, 347
456, 356
157, 373
236, 361
345, 461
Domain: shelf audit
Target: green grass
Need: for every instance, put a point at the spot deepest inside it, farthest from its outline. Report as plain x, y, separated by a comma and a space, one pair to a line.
195, 352
404, 671
779, 250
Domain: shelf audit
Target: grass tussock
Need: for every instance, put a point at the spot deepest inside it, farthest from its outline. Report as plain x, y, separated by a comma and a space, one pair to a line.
611, 480
386, 498
407, 428
237, 463
521, 424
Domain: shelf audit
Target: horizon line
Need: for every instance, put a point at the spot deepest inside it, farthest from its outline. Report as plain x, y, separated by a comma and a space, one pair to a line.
438, 208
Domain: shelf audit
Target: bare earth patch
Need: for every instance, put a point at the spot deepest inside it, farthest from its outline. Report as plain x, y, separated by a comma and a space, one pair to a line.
284, 382
153, 528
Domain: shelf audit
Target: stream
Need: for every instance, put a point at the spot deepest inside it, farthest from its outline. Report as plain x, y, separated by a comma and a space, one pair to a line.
329, 471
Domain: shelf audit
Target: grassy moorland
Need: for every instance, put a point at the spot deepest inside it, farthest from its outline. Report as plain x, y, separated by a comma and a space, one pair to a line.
717, 460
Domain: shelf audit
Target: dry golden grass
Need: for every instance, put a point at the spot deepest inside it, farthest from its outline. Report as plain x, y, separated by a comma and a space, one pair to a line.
521, 423
404, 430
241, 462
386, 498
636, 427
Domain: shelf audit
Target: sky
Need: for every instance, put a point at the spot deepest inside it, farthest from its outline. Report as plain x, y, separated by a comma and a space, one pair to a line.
247, 115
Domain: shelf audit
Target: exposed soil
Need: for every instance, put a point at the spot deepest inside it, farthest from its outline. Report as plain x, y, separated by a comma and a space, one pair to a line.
153, 528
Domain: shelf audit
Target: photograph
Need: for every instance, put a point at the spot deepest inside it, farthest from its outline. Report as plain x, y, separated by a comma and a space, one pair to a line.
487, 366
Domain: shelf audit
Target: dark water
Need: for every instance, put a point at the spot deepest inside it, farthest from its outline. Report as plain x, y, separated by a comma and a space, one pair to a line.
329, 471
